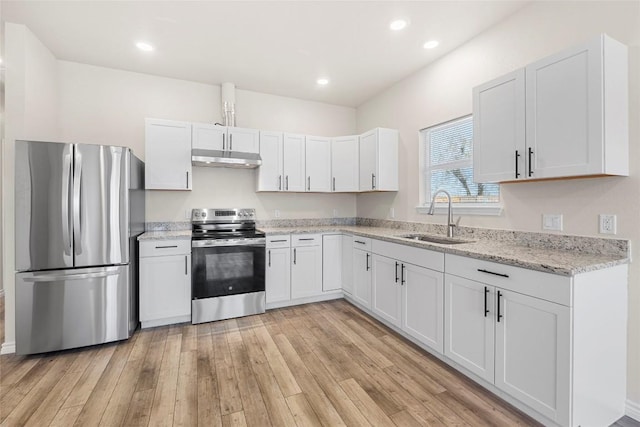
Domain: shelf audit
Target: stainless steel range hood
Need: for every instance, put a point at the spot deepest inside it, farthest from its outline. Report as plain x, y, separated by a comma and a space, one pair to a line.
226, 159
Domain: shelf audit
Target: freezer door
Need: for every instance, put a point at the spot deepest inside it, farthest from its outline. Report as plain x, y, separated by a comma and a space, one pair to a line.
57, 310
100, 205
43, 205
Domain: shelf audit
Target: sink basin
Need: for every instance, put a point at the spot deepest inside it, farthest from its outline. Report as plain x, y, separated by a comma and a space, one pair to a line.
435, 239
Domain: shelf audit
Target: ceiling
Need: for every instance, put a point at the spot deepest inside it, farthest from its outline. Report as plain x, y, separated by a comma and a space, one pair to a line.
277, 47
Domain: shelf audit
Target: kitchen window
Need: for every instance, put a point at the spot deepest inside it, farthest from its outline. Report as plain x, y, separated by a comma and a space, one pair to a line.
446, 160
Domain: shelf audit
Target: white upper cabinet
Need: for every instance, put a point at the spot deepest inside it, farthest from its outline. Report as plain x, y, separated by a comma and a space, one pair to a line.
167, 155
318, 163
344, 163
269, 174
576, 119
379, 160
214, 137
498, 122
294, 162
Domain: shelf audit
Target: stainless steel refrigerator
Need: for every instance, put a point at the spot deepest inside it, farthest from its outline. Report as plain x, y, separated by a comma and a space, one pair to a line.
79, 209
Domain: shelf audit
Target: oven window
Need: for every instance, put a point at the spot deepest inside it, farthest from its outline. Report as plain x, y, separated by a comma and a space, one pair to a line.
227, 270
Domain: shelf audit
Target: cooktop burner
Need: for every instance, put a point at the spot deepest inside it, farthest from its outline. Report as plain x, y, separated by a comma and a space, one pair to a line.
234, 223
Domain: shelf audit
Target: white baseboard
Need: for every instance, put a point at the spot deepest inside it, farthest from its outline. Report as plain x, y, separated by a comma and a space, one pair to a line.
633, 410
8, 347
316, 298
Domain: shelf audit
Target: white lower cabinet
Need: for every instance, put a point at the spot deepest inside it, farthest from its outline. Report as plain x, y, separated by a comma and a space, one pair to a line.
165, 282
347, 264
362, 273
277, 274
409, 296
306, 271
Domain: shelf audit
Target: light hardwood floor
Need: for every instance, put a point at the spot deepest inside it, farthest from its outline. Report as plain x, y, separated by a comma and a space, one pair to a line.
318, 364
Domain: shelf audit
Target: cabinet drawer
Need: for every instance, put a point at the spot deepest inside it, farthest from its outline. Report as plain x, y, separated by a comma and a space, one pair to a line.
409, 254
550, 287
306, 240
279, 241
363, 243
151, 248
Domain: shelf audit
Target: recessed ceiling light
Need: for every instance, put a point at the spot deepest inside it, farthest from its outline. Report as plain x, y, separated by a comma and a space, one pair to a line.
431, 44
146, 47
322, 81
398, 24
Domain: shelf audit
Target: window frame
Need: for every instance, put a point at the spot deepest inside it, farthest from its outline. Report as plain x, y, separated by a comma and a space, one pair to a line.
483, 209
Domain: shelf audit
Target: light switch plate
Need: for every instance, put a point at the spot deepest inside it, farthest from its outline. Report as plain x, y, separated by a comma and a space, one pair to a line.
552, 222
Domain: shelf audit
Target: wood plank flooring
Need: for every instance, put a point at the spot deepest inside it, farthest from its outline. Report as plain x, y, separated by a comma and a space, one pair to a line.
324, 364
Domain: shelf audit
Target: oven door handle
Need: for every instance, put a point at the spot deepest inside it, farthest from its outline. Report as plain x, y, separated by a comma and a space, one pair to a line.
206, 244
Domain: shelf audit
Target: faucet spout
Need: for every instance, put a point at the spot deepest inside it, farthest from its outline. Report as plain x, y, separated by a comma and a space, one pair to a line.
450, 223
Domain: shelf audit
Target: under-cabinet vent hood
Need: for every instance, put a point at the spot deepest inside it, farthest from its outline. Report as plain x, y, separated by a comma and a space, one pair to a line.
226, 159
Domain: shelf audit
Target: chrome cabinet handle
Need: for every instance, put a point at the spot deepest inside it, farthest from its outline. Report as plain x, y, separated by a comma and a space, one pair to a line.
308, 183
358, 241
279, 182
187, 179
294, 255
373, 181
185, 265
334, 183
486, 293
500, 316
286, 180
530, 161
368, 262
482, 270
269, 257
403, 280
397, 272
517, 157
277, 241
165, 247
223, 138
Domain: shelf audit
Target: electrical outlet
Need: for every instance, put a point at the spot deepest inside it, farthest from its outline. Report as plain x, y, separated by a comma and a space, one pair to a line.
392, 213
552, 222
607, 224
276, 213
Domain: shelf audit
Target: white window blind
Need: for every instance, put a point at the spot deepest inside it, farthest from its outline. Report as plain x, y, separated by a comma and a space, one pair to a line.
448, 164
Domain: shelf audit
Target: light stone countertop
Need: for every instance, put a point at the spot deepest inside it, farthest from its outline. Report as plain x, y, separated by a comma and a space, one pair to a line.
556, 261
166, 235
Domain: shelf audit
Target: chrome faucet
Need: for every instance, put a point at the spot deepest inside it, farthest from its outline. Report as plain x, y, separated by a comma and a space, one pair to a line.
432, 208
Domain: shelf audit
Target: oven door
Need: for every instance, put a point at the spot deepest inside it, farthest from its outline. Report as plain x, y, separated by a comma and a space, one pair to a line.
227, 268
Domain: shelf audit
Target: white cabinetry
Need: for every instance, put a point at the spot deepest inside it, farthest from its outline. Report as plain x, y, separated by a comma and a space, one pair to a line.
306, 266
165, 282
294, 162
331, 262
167, 155
214, 137
533, 335
379, 160
347, 264
277, 274
344, 163
318, 163
563, 116
408, 295
362, 271
269, 174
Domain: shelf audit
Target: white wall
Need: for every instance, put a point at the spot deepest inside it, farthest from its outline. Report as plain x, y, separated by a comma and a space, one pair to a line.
442, 92
106, 106
31, 99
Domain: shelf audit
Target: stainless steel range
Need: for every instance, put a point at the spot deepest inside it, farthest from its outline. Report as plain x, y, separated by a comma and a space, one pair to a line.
227, 264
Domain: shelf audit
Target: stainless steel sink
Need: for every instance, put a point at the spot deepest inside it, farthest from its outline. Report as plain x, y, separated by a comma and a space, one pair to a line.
435, 239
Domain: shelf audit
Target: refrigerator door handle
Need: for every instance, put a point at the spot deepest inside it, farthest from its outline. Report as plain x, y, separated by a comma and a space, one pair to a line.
77, 225
66, 188
56, 277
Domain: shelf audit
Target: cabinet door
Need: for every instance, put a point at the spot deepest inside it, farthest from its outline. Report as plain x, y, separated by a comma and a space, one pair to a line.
533, 353
306, 272
318, 163
331, 262
294, 162
499, 129
423, 305
244, 140
270, 172
208, 137
347, 263
564, 112
387, 290
167, 155
344, 164
278, 275
368, 160
165, 287
362, 277
468, 330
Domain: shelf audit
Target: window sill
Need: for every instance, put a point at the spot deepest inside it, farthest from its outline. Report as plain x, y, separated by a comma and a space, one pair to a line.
466, 209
